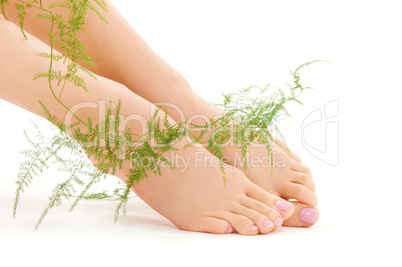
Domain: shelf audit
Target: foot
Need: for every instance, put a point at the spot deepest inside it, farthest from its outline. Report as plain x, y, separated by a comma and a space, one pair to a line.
194, 198
290, 179
299, 180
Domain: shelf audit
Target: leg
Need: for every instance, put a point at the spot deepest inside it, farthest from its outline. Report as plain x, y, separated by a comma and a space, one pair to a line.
129, 60
193, 199
140, 68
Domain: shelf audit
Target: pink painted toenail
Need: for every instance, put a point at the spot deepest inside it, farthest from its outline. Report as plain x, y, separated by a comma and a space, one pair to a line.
230, 229
278, 221
308, 215
268, 224
283, 205
253, 228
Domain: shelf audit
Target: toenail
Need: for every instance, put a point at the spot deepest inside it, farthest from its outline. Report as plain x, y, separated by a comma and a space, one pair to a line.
308, 215
253, 228
278, 221
230, 229
282, 204
268, 224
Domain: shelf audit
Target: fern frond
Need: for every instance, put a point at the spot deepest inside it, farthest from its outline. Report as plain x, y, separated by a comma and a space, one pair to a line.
248, 119
96, 11
3, 4
56, 57
21, 16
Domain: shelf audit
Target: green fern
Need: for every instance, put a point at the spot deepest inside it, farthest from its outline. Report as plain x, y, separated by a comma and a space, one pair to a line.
3, 4
247, 120
66, 37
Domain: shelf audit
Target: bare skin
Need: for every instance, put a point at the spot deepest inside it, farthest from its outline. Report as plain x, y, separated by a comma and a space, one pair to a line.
193, 200
149, 76
289, 179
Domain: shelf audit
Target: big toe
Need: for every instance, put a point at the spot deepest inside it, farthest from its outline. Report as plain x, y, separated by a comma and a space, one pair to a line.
303, 216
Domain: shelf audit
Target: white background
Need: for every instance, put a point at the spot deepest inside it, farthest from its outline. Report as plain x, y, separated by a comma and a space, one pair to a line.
221, 46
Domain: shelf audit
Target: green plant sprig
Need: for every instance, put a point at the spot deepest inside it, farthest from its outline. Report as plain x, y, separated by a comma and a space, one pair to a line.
248, 119
71, 48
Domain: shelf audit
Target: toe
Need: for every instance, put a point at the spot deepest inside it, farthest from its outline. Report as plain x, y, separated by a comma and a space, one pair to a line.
303, 216
299, 192
294, 156
285, 208
242, 224
264, 223
271, 218
214, 226
303, 179
298, 167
